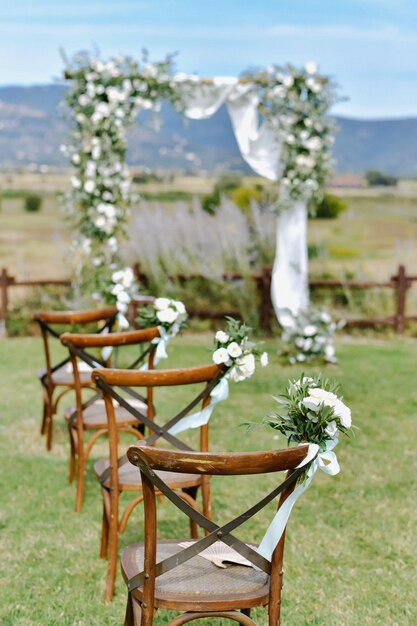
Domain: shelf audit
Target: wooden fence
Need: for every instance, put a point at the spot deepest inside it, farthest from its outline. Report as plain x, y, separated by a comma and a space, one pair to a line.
400, 283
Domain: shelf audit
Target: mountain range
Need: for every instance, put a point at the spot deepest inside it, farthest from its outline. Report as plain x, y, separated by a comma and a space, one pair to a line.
33, 126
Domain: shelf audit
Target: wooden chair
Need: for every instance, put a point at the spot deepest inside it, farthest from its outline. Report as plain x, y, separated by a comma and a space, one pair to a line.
57, 380
164, 575
116, 475
90, 417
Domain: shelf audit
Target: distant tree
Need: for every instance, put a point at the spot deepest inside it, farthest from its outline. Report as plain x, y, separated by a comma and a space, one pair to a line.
330, 207
375, 178
224, 186
33, 203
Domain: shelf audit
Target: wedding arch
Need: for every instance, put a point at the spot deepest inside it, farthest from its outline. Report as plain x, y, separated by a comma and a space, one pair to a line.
280, 119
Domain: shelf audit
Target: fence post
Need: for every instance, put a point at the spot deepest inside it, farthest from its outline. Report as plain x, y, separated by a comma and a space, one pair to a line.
265, 312
4, 303
402, 284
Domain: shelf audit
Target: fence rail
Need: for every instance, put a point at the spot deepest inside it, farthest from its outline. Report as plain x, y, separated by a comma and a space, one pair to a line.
400, 283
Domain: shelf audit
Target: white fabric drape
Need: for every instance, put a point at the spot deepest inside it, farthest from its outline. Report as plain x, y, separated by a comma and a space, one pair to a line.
289, 286
261, 148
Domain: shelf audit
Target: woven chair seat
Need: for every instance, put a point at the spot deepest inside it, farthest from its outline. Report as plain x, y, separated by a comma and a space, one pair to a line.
130, 479
94, 416
65, 376
197, 580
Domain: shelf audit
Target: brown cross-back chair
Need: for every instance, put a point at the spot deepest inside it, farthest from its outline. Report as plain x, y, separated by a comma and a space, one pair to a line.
58, 379
90, 417
165, 575
117, 475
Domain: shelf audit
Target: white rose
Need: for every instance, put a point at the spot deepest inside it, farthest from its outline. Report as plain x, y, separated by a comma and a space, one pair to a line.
300, 357
311, 67
288, 81
244, 368
329, 351
89, 186
179, 306
117, 289
313, 85
75, 158
117, 276
331, 429
234, 350
83, 100
264, 359
309, 330
343, 412
162, 303
75, 182
221, 355
128, 277
221, 336
167, 316
325, 317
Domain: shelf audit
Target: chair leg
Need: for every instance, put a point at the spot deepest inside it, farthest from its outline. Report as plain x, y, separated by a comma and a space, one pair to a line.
112, 556
72, 462
206, 496
44, 413
104, 546
80, 481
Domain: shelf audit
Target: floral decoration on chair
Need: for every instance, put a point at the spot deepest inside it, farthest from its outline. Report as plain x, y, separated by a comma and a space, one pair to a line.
234, 349
311, 336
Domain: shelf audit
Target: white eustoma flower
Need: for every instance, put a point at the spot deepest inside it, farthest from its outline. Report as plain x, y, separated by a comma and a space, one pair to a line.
343, 412
329, 351
84, 100
321, 396
220, 356
264, 360
331, 429
288, 81
234, 349
75, 158
162, 303
128, 277
117, 289
221, 336
75, 182
167, 316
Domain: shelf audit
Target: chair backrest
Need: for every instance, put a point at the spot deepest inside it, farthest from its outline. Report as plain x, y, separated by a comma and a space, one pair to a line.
149, 459
112, 382
48, 319
79, 343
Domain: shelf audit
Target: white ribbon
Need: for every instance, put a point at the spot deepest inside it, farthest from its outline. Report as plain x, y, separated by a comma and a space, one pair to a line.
279, 522
161, 343
123, 324
195, 420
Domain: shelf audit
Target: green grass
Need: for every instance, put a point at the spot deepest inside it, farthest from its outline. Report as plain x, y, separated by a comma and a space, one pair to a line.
351, 549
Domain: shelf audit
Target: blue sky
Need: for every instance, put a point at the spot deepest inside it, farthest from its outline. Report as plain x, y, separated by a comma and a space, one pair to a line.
369, 46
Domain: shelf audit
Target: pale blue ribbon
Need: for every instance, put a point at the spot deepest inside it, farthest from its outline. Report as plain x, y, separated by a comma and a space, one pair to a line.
123, 324
279, 522
195, 420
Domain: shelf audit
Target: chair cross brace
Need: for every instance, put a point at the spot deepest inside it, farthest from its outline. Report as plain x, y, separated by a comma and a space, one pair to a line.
216, 532
158, 430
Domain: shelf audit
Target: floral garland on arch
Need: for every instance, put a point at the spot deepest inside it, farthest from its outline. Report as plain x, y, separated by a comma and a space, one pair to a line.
103, 101
295, 102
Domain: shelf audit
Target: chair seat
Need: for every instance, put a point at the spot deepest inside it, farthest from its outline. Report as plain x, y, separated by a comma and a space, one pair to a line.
130, 479
94, 416
198, 582
65, 376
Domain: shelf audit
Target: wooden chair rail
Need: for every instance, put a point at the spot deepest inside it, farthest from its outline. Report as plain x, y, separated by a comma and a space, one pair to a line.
93, 340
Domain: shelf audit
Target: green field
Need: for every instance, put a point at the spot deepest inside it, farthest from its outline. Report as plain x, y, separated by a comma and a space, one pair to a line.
351, 552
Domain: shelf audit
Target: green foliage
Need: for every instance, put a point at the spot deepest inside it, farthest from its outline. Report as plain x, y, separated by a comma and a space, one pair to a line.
375, 178
330, 207
19, 320
243, 196
33, 203
224, 186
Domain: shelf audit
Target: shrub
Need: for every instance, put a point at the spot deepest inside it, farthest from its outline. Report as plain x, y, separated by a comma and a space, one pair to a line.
33, 203
224, 186
329, 208
243, 196
375, 178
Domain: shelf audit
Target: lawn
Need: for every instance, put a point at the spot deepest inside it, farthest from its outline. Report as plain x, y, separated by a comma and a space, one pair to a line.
351, 549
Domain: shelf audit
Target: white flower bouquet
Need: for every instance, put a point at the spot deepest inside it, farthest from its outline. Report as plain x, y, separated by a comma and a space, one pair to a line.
311, 336
169, 314
235, 351
311, 412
